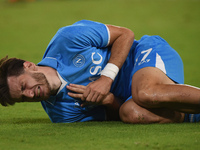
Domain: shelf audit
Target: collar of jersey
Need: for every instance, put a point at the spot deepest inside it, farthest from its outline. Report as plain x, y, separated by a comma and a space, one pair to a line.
49, 61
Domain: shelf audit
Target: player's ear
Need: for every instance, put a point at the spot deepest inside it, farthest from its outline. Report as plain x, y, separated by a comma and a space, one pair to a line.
29, 65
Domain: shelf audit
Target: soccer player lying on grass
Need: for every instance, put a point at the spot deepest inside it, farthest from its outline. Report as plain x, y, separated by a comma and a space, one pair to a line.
94, 72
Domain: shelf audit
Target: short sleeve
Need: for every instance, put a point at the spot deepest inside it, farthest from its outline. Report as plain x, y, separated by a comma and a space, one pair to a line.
86, 33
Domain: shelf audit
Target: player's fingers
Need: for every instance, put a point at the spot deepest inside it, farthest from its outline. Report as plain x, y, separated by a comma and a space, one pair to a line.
86, 93
75, 95
77, 89
94, 97
78, 86
90, 96
99, 99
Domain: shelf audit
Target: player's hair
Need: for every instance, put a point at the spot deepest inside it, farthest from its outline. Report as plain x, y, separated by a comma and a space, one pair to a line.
8, 67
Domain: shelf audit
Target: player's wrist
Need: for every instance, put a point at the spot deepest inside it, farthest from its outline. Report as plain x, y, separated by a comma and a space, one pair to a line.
107, 80
110, 70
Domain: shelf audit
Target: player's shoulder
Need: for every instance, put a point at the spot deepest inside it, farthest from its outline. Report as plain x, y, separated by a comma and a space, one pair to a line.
81, 25
86, 23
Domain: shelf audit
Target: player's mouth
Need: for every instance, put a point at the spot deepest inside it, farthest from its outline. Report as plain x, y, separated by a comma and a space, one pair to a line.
38, 92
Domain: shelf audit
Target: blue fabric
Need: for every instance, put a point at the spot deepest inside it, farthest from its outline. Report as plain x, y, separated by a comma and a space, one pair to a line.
152, 47
79, 52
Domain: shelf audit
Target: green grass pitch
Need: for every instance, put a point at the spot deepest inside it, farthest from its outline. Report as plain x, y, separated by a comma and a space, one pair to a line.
27, 27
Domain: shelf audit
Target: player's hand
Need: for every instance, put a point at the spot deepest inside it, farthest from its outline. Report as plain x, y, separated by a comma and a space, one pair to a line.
78, 90
97, 90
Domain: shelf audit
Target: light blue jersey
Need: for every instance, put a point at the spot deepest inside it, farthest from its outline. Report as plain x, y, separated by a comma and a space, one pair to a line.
79, 52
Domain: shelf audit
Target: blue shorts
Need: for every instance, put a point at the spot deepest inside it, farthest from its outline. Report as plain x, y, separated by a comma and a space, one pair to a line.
153, 51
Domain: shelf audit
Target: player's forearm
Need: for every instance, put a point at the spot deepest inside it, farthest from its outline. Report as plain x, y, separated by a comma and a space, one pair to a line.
121, 40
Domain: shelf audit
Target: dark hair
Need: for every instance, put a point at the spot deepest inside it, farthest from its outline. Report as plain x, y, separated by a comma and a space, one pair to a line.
8, 67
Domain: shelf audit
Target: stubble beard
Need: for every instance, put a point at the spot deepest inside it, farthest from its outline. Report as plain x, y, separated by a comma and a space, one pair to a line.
41, 78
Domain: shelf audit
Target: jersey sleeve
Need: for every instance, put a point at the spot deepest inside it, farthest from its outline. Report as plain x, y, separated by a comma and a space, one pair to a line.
85, 34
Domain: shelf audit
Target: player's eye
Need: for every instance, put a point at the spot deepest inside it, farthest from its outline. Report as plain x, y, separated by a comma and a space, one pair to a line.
22, 88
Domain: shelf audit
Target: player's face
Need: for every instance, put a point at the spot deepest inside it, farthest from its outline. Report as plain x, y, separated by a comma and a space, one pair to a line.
29, 87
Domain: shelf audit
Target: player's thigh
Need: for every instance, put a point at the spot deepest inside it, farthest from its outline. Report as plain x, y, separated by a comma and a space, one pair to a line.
156, 63
145, 80
130, 112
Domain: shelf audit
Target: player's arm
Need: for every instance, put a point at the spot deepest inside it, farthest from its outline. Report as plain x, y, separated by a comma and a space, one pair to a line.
111, 102
121, 40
